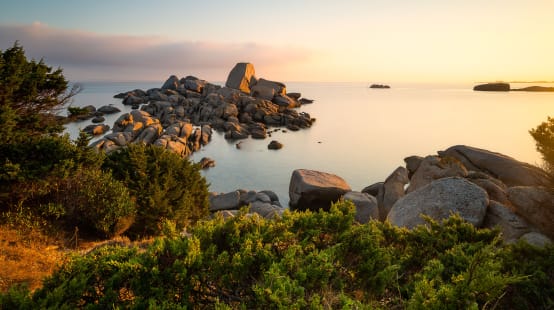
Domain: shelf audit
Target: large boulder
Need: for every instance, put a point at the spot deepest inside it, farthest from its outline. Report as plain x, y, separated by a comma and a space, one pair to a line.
535, 205
366, 206
508, 170
439, 200
109, 109
313, 190
95, 130
242, 77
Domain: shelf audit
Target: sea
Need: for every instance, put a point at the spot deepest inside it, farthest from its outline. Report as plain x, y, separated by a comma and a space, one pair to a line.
360, 134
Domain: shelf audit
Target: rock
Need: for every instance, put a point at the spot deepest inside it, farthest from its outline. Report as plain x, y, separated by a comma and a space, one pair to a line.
412, 163
150, 134
511, 225
275, 145
508, 170
206, 163
373, 189
194, 84
96, 130
226, 201
278, 87
241, 77
536, 239
366, 206
535, 205
313, 190
206, 131
294, 96
440, 199
379, 86
495, 190
109, 109
305, 101
392, 190
133, 100
492, 87
263, 91
98, 119
265, 209
432, 168
89, 108
285, 101
171, 83
120, 138
226, 214
272, 196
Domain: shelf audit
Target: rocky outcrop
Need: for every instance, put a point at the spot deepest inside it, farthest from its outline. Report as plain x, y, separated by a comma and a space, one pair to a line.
203, 105
535, 89
508, 170
492, 87
439, 200
109, 109
314, 190
469, 180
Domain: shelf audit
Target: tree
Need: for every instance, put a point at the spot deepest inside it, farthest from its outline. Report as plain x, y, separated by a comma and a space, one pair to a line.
544, 138
30, 92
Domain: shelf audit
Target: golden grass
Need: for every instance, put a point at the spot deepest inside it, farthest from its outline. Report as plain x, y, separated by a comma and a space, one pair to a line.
27, 257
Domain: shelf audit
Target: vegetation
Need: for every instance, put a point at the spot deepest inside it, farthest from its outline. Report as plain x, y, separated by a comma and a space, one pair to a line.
544, 138
49, 181
306, 260
164, 185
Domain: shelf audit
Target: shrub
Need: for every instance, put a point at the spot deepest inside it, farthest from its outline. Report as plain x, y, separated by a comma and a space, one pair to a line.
164, 185
544, 139
249, 262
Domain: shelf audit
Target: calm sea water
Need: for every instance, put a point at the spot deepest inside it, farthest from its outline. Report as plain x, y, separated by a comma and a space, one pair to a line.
362, 134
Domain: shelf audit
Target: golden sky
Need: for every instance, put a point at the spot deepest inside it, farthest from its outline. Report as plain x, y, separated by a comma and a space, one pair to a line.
389, 41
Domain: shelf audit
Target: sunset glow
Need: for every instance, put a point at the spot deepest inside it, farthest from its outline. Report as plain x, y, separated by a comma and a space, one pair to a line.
393, 41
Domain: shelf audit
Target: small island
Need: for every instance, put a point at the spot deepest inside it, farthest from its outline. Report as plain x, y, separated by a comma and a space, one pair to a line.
506, 87
379, 86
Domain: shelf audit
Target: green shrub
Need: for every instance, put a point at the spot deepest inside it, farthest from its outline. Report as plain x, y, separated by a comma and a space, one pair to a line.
164, 185
249, 262
544, 139
77, 111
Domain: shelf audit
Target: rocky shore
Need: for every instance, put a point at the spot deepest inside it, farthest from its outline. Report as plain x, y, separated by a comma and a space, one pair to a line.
485, 188
181, 115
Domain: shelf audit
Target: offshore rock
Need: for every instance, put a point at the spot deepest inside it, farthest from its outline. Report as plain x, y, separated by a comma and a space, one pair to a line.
492, 87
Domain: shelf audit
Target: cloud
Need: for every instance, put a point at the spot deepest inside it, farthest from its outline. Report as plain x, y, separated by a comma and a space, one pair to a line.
87, 55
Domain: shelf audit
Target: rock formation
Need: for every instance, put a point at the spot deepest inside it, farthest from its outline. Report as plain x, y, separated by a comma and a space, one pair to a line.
180, 115
315, 190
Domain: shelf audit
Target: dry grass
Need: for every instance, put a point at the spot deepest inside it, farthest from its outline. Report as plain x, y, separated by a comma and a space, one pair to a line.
27, 257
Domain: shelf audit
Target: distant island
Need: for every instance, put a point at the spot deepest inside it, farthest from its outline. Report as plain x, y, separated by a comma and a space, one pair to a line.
506, 87
379, 86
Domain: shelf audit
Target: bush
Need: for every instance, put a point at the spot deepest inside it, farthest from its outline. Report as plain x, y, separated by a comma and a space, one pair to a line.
164, 185
544, 139
308, 260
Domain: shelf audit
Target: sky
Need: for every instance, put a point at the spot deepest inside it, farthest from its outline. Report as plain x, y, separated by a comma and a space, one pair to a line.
383, 41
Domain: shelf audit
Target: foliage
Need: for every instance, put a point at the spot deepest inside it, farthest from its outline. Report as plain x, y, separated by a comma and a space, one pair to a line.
164, 185
307, 260
544, 139
76, 111
29, 92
